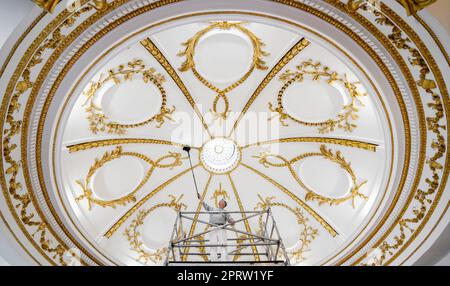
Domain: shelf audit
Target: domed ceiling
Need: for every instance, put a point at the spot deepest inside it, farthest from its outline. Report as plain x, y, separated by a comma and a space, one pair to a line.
337, 123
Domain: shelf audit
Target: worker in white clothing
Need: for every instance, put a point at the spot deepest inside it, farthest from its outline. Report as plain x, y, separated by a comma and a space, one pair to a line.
218, 217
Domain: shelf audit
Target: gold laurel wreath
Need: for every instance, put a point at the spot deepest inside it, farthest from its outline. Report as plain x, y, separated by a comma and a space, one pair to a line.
317, 72
99, 122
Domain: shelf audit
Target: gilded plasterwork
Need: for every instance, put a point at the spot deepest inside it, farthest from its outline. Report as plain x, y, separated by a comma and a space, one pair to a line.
33, 224
269, 160
170, 161
117, 224
50, 5
413, 6
47, 5
307, 235
156, 53
99, 122
328, 140
436, 126
189, 63
291, 54
317, 72
408, 225
122, 141
219, 194
133, 232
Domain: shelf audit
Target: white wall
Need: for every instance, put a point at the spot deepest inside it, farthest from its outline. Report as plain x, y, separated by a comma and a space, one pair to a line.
11, 13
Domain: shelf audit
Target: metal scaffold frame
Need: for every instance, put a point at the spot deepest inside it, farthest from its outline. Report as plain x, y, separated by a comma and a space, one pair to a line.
266, 243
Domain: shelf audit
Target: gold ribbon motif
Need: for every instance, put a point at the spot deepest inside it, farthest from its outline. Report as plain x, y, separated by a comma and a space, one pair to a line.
316, 71
189, 63
353, 194
116, 154
99, 122
307, 235
133, 234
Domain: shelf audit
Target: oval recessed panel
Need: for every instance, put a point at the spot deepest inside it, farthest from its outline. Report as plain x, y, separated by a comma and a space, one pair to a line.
288, 228
156, 230
224, 56
131, 101
324, 177
117, 178
313, 101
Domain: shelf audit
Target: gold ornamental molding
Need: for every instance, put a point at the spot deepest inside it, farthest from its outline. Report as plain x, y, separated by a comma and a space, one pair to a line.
308, 233
50, 5
189, 63
315, 71
47, 5
170, 161
278, 161
99, 121
302, 44
422, 60
134, 235
413, 6
158, 55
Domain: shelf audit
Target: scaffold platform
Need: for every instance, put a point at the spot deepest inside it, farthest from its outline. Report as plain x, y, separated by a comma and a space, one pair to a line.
244, 247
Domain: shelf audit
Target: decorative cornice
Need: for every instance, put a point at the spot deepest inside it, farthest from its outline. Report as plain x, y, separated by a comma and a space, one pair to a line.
413, 6
47, 5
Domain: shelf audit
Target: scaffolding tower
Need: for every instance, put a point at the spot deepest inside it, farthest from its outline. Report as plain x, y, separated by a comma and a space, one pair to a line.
266, 245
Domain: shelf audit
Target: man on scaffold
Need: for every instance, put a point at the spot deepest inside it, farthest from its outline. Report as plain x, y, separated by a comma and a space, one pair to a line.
218, 217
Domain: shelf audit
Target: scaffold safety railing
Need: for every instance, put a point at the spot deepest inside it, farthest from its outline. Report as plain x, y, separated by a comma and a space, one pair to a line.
243, 246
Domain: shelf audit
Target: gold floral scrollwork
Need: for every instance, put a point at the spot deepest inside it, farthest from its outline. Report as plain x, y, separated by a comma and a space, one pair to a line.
99, 5
307, 235
189, 63
99, 122
219, 193
50, 5
316, 71
267, 160
47, 5
133, 234
408, 225
412, 6
354, 5
22, 198
175, 160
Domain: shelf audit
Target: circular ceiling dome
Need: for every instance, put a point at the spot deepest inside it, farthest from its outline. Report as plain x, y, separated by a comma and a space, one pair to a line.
335, 115
220, 155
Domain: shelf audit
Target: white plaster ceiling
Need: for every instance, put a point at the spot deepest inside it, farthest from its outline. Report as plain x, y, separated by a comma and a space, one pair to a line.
222, 57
